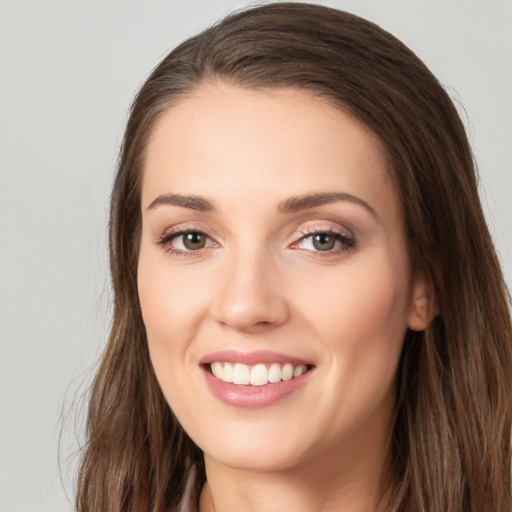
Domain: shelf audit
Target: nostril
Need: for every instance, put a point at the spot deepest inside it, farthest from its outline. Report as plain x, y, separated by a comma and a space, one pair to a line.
246, 305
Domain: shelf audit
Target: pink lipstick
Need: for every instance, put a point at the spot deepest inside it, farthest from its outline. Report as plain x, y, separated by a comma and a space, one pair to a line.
254, 379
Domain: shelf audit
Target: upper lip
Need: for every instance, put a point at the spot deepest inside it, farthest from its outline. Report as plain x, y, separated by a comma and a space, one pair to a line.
252, 357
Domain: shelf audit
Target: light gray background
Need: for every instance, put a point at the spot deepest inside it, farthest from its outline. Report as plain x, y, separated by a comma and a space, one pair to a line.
68, 70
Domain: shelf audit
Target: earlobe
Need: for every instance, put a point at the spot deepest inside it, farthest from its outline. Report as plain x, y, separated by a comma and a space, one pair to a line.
424, 306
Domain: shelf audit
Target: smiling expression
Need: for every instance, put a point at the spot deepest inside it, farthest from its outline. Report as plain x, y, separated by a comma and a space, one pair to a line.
273, 277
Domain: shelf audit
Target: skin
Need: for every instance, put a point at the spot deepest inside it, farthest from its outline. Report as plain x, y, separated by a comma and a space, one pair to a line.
259, 283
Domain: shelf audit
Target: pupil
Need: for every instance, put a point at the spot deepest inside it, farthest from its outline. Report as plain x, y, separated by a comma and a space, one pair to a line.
323, 242
194, 240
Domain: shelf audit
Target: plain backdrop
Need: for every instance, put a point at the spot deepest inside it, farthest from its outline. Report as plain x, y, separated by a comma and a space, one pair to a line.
68, 71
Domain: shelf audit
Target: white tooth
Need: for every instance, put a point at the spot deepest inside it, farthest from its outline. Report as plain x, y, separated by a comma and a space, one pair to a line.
299, 370
259, 375
287, 372
227, 372
274, 373
216, 369
240, 374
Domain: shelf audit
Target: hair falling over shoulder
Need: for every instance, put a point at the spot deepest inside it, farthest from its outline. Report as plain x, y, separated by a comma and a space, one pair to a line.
451, 446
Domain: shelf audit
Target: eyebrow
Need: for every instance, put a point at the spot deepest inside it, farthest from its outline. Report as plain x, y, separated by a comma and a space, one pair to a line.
306, 202
198, 203
291, 205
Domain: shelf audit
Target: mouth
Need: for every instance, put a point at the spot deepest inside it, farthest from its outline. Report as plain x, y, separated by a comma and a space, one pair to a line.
259, 374
254, 379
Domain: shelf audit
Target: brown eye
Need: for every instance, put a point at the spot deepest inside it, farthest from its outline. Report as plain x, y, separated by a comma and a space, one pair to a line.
323, 242
184, 242
194, 240
328, 242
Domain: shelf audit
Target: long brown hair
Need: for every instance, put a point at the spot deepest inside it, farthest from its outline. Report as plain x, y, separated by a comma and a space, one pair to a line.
451, 439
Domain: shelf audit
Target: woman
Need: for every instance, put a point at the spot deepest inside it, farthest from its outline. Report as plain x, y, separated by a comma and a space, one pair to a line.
309, 312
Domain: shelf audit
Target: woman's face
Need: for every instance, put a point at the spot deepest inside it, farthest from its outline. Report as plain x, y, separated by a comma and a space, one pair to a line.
272, 246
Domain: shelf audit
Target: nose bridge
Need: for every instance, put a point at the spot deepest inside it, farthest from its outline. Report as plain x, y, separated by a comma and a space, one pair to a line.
250, 296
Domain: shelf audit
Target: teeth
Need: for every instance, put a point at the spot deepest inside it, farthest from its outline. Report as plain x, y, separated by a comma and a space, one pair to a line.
274, 373
227, 373
287, 372
217, 370
241, 374
257, 375
299, 370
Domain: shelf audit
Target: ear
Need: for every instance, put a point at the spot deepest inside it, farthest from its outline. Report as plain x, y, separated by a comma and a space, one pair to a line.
423, 307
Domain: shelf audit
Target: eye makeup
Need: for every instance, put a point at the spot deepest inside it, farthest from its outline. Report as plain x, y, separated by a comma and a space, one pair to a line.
320, 241
315, 241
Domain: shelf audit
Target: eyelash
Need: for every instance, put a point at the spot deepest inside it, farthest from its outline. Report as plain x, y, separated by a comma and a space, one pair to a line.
347, 243
165, 241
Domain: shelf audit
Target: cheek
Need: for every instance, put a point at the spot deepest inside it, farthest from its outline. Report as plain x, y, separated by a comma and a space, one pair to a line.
170, 307
361, 318
361, 323
371, 298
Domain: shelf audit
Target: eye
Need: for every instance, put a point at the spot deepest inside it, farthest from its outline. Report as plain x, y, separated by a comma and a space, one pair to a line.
325, 241
321, 242
191, 241
187, 241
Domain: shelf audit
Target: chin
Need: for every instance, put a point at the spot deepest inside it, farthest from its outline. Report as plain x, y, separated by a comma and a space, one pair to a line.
260, 457
258, 445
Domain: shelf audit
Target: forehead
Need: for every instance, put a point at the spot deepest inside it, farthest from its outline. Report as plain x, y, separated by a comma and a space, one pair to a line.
262, 145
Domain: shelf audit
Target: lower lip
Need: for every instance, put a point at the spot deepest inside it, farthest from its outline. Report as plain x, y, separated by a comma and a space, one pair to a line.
253, 397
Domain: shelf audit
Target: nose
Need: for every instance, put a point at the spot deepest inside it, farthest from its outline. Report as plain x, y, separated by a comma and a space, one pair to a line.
251, 295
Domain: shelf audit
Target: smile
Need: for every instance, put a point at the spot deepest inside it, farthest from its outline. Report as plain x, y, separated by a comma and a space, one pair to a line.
254, 379
256, 375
